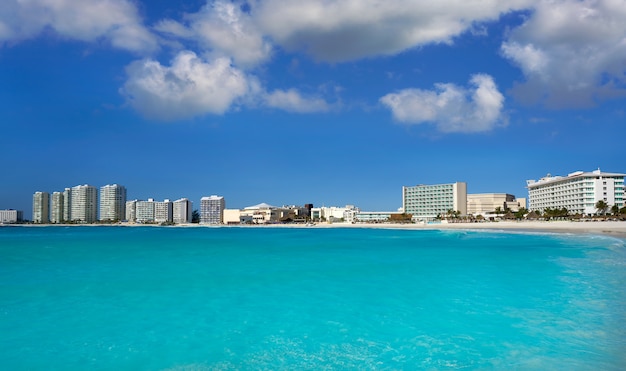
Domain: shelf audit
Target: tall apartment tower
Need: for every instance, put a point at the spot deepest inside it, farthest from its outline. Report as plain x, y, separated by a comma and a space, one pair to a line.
84, 203
426, 202
67, 204
41, 207
212, 210
131, 211
112, 202
56, 208
183, 210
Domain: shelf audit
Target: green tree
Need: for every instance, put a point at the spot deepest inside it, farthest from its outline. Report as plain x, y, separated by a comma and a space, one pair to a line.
519, 214
602, 207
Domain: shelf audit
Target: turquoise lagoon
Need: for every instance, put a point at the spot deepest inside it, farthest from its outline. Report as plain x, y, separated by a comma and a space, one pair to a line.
115, 298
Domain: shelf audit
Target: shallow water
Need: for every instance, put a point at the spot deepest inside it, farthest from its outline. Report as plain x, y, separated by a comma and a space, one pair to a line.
256, 298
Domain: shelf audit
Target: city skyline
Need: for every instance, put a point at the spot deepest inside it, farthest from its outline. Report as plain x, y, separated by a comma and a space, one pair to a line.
290, 102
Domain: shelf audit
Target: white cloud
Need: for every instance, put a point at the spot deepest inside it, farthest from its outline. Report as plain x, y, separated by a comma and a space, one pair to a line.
450, 107
340, 30
189, 87
292, 101
571, 52
87, 20
223, 29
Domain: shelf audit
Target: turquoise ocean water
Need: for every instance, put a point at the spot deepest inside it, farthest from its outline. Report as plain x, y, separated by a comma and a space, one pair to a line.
115, 298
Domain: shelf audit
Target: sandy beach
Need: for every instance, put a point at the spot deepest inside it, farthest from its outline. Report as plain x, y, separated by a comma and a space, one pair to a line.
611, 228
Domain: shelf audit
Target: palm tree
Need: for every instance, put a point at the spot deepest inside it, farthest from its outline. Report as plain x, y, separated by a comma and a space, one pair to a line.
615, 210
602, 206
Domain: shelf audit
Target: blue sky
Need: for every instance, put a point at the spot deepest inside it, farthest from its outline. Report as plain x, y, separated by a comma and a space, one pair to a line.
291, 102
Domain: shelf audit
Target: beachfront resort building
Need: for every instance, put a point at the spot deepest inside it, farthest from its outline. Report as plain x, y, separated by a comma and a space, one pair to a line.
131, 211
41, 207
426, 202
11, 216
488, 203
144, 212
163, 211
56, 208
67, 204
212, 210
578, 192
112, 202
182, 211
335, 214
84, 204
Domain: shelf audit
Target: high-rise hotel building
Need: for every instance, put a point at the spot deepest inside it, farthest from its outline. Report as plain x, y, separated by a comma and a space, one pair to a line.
84, 204
212, 210
578, 192
112, 202
426, 202
67, 204
182, 211
41, 207
56, 208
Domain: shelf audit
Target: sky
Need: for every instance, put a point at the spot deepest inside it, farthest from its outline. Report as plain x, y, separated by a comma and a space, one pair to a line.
320, 101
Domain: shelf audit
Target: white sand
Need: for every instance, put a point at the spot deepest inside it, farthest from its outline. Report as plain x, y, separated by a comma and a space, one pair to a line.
614, 228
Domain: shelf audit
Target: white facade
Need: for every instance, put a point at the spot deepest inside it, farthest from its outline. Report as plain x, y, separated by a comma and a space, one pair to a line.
56, 208
182, 211
11, 216
112, 202
41, 207
486, 203
67, 204
163, 211
335, 214
84, 204
131, 211
145, 211
212, 210
578, 192
426, 202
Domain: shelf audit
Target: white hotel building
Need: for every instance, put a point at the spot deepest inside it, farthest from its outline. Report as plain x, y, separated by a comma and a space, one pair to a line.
426, 202
212, 210
183, 211
84, 203
112, 202
578, 192
41, 207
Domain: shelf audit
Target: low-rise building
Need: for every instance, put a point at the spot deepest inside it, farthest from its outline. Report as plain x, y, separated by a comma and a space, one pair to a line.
335, 214
488, 203
11, 216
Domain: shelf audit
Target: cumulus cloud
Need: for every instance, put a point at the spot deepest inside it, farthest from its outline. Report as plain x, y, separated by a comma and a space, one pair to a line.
450, 107
189, 87
87, 20
339, 30
223, 29
571, 52
292, 101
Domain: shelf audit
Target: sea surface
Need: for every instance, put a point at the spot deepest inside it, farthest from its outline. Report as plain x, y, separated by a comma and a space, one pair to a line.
159, 298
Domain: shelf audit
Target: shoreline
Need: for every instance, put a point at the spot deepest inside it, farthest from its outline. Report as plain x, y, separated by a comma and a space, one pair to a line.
609, 228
